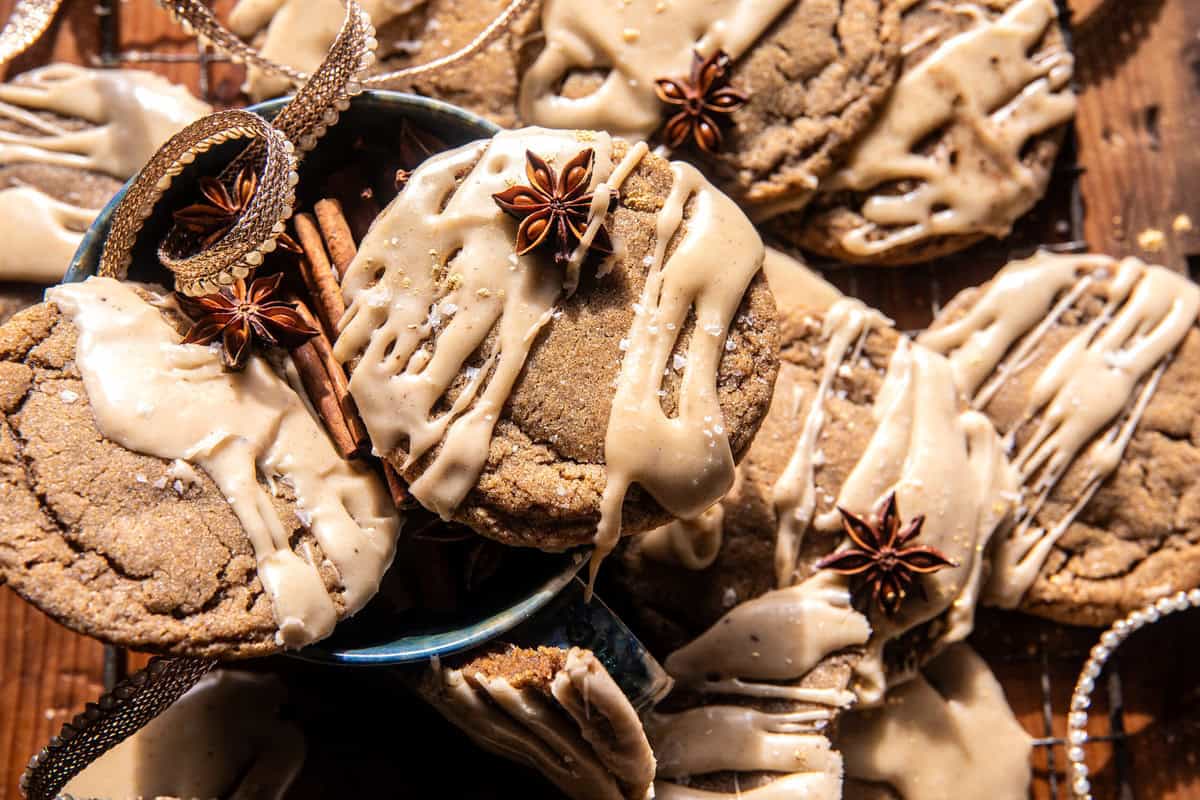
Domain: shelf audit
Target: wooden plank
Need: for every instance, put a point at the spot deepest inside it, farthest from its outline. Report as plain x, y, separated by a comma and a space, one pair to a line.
1139, 69
47, 674
1139, 121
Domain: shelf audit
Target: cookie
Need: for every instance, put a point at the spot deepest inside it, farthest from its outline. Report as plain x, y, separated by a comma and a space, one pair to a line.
69, 137
964, 146
228, 734
558, 711
152, 500
554, 404
812, 73
1087, 366
953, 719
736, 603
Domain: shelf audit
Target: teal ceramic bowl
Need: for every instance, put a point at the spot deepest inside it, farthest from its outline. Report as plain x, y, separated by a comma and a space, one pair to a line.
541, 577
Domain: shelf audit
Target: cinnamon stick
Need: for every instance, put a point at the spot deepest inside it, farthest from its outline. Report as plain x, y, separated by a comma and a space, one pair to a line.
337, 379
319, 277
397, 486
323, 397
336, 231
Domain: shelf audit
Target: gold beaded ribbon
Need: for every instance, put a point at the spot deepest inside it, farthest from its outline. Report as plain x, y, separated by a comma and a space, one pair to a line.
29, 20
274, 151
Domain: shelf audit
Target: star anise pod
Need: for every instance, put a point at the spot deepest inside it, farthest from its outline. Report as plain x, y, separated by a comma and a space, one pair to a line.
554, 208
213, 219
240, 314
705, 101
881, 559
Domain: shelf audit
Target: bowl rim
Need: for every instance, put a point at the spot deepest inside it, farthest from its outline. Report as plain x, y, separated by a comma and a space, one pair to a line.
413, 647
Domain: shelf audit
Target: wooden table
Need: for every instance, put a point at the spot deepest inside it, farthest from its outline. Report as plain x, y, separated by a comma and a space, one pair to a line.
1138, 145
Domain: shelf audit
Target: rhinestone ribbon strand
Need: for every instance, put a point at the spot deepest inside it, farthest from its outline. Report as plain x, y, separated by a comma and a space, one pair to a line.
1081, 698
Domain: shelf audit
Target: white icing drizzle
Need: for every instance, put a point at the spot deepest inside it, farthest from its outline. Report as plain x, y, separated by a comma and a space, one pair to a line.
153, 395
942, 462
949, 735
794, 495
690, 543
1088, 400
809, 785
684, 462
134, 112
760, 650
991, 97
556, 738
221, 739
795, 285
635, 42
420, 257
40, 234
779, 636
717, 738
299, 33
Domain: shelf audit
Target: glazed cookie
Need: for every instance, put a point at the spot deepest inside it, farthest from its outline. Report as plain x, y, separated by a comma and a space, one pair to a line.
69, 137
556, 398
558, 711
807, 75
951, 720
965, 144
227, 737
754, 631
1088, 367
153, 500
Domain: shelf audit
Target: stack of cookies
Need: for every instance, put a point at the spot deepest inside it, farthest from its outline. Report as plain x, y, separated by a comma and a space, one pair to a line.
594, 331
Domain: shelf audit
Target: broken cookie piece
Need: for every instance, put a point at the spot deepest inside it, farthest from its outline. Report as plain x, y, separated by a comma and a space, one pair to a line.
556, 710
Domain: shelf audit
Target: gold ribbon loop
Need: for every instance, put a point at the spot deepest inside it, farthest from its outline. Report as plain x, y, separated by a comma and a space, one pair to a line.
274, 153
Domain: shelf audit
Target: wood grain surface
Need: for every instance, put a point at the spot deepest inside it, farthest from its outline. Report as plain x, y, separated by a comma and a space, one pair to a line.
1137, 137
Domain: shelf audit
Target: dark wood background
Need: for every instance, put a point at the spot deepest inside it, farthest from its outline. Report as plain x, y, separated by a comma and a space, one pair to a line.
1135, 191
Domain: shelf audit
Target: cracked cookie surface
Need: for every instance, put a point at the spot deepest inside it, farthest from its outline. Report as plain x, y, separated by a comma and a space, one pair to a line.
112, 543
815, 79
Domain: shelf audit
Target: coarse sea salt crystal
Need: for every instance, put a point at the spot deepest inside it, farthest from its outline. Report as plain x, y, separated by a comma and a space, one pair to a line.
67, 396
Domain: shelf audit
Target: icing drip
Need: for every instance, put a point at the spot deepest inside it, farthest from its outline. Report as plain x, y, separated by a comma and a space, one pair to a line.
942, 462
418, 261
43, 234
991, 97
189, 751
568, 741
636, 42
299, 33
716, 738
690, 543
795, 285
794, 495
954, 722
759, 651
152, 395
684, 462
1089, 398
779, 636
134, 113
